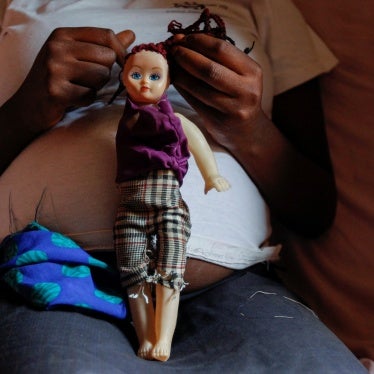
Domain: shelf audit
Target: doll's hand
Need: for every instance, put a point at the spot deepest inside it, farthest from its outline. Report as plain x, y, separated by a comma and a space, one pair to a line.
222, 83
71, 66
218, 182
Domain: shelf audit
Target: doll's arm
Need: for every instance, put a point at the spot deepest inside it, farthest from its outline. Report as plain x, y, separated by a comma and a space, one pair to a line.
204, 156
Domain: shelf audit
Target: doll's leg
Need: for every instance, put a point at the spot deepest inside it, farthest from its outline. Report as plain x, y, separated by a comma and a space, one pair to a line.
167, 303
142, 311
173, 235
131, 241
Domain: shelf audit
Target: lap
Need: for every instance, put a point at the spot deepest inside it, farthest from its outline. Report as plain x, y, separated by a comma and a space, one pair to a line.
249, 323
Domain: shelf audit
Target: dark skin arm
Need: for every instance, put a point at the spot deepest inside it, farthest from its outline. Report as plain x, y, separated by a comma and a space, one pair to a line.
72, 65
287, 159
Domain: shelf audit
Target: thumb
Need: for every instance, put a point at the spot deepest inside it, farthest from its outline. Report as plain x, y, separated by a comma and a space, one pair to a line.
125, 38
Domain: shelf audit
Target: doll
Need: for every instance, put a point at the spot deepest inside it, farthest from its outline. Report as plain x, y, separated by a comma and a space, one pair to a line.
152, 226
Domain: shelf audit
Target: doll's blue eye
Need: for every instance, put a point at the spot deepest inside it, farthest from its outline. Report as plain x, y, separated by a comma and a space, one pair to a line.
136, 75
155, 77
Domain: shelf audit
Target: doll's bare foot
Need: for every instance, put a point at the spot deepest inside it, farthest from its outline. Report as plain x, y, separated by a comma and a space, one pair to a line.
145, 350
161, 351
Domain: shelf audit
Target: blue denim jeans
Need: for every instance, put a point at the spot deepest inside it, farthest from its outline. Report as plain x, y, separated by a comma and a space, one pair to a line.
247, 324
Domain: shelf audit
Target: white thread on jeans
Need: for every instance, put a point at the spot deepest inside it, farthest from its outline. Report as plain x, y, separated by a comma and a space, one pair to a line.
262, 292
298, 302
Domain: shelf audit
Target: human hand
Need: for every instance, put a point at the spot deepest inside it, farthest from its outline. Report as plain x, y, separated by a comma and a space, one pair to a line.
218, 182
222, 83
72, 65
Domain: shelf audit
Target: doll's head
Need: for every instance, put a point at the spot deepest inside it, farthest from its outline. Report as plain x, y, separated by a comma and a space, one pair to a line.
146, 73
135, 57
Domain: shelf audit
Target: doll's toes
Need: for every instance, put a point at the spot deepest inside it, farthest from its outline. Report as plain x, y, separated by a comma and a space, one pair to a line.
145, 351
161, 351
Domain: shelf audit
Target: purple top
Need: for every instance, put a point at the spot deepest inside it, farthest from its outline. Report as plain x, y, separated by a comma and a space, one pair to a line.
155, 142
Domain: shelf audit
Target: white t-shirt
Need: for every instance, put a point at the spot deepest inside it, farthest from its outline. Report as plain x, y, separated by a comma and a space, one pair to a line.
73, 165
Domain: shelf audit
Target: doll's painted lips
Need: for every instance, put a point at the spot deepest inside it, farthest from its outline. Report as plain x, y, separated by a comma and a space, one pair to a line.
144, 88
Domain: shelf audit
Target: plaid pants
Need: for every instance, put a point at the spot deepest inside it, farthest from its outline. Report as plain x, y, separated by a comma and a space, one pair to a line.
151, 231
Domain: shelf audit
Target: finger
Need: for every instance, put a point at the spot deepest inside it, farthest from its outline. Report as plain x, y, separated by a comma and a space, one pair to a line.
89, 75
126, 38
82, 63
206, 70
221, 184
119, 45
98, 36
204, 93
83, 51
68, 94
213, 74
219, 51
224, 185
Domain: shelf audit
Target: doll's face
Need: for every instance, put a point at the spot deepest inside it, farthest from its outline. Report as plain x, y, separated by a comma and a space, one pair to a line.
146, 77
